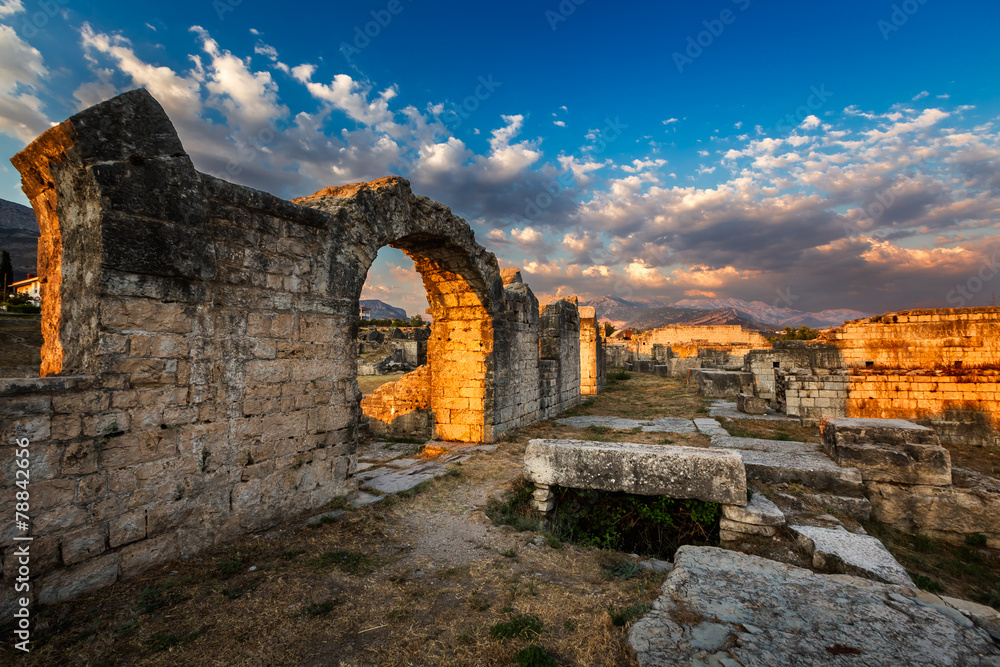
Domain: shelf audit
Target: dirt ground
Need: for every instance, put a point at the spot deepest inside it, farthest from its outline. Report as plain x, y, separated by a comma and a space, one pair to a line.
418, 579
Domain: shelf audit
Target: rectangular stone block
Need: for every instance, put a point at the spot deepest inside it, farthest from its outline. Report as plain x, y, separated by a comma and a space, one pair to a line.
750, 404
715, 475
720, 384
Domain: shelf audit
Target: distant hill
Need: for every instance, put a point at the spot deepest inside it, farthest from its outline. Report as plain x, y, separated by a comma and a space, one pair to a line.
653, 318
19, 237
645, 314
762, 312
383, 311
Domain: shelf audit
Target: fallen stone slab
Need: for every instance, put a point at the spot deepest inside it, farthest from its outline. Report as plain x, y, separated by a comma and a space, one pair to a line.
812, 470
404, 480
361, 499
839, 550
759, 511
710, 427
907, 463
750, 404
715, 383
764, 445
715, 475
720, 607
853, 430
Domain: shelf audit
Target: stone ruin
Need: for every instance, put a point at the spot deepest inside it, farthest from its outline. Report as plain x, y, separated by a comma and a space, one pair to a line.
199, 360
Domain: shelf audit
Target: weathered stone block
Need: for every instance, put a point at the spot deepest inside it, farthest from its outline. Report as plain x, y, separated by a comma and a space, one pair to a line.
849, 430
745, 528
759, 511
715, 475
72, 582
750, 404
906, 464
721, 384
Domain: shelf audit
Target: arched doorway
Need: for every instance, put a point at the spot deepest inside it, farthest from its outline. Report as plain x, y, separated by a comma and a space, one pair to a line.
465, 292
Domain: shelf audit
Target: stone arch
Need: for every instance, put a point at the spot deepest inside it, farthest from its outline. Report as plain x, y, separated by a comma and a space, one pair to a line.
464, 290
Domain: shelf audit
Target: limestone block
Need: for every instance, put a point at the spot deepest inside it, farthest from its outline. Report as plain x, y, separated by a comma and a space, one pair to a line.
722, 607
720, 384
750, 404
657, 470
746, 528
861, 555
850, 430
902, 464
759, 511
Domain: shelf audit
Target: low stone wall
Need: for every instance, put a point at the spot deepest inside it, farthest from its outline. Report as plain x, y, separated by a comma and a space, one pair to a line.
964, 405
559, 339
785, 355
812, 394
403, 407
616, 355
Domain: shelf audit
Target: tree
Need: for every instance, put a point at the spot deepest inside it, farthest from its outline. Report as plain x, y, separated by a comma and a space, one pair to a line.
417, 321
6, 272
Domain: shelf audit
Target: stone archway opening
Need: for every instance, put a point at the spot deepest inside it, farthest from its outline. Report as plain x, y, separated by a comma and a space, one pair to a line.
446, 398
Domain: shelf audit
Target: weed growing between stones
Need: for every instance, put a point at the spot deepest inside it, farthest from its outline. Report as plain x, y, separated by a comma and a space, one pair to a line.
628, 614
519, 625
646, 525
534, 656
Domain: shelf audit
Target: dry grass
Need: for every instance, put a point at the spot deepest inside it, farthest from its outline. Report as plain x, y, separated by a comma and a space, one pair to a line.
369, 383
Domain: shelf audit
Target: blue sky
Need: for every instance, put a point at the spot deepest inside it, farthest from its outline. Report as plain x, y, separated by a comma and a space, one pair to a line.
832, 156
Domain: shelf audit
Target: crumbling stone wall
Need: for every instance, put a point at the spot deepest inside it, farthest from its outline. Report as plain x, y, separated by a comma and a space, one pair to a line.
402, 408
812, 393
591, 356
559, 352
696, 335
929, 338
200, 355
785, 355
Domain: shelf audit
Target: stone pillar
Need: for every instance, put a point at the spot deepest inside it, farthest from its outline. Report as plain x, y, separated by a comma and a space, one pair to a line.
543, 499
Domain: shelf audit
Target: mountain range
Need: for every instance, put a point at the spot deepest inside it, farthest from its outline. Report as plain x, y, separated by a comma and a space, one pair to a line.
383, 311
646, 314
19, 237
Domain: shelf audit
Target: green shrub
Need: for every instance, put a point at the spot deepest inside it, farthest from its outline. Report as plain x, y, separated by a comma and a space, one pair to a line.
534, 656
519, 625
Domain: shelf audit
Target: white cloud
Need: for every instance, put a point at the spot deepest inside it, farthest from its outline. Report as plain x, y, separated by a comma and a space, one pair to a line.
10, 7
560, 123
22, 71
919, 96
670, 121
810, 123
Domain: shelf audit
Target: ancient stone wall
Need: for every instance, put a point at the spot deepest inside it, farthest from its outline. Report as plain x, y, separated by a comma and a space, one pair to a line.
787, 354
812, 394
403, 407
591, 353
559, 351
921, 339
200, 348
724, 334
616, 355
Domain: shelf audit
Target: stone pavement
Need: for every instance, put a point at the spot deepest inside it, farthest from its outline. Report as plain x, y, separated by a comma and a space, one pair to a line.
663, 425
385, 468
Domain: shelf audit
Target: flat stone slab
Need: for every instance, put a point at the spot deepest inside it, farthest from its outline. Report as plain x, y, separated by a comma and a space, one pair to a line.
857, 508
710, 427
662, 425
715, 475
725, 608
764, 445
848, 430
728, 409
404, 480
810, 469
861, 555
759, 511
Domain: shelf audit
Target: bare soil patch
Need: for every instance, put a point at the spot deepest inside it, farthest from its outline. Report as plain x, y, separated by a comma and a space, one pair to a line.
369, 383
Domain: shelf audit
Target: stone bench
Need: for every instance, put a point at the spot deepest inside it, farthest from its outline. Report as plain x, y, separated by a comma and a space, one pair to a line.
715, 475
